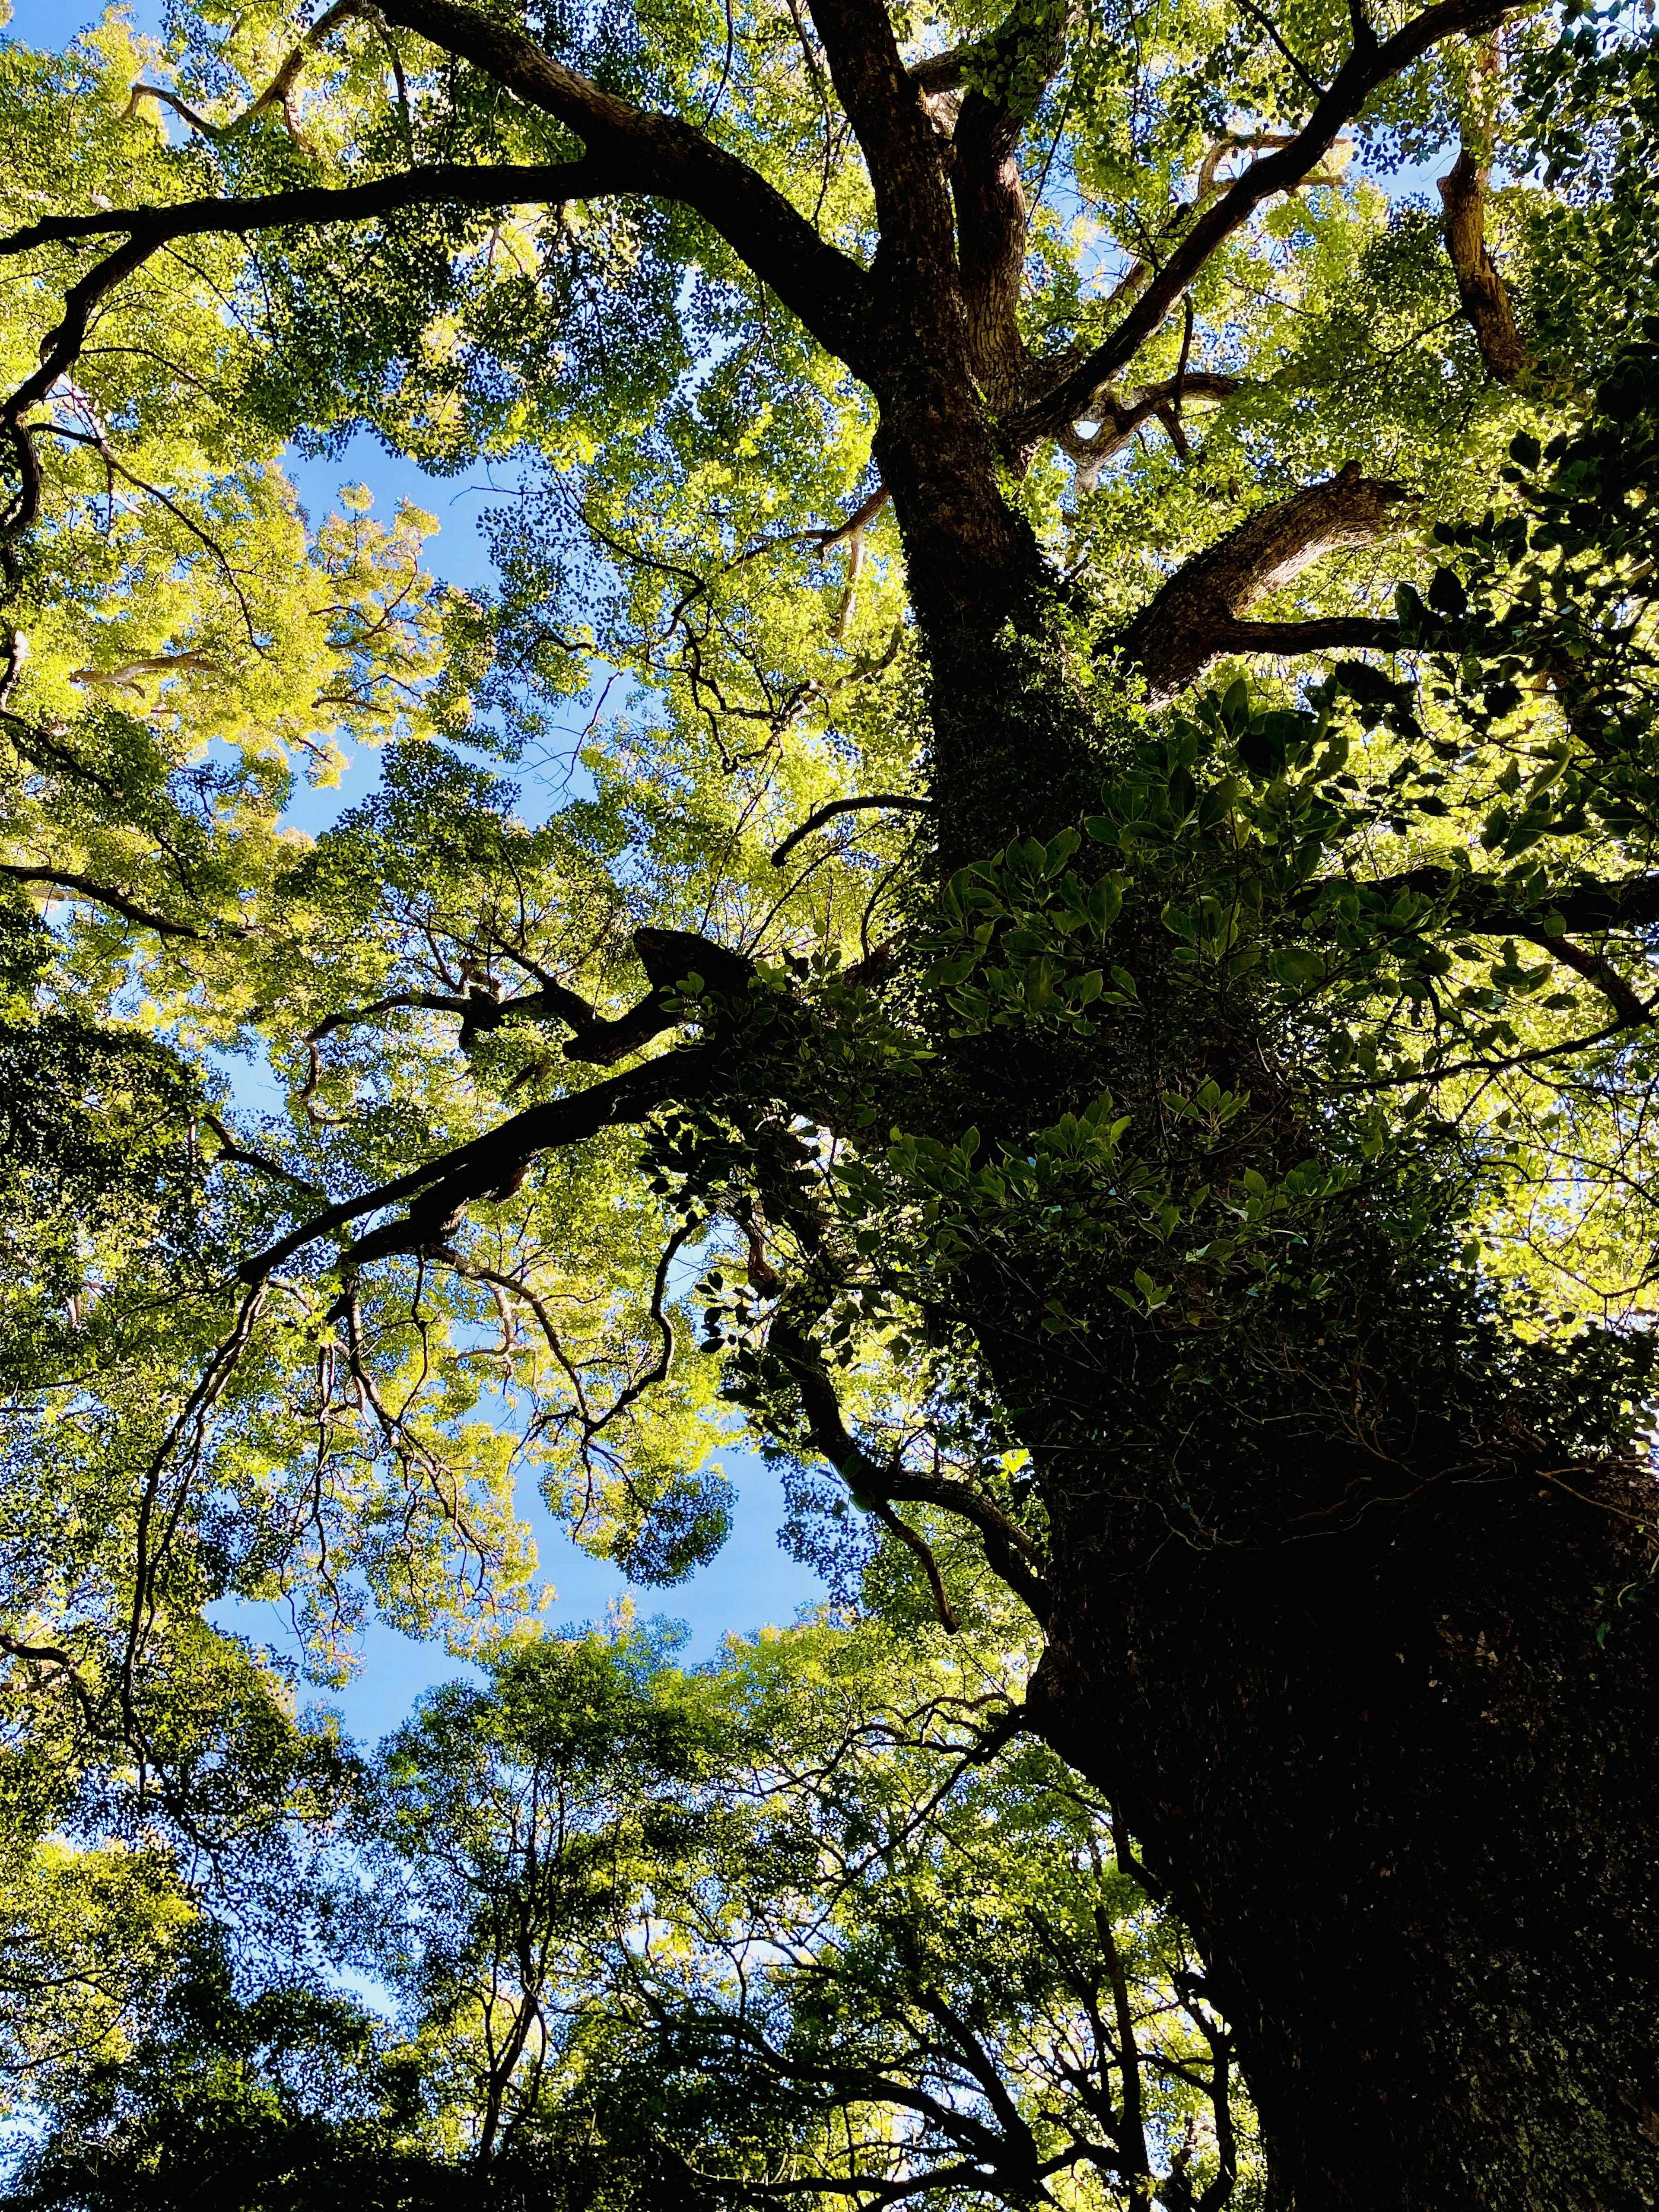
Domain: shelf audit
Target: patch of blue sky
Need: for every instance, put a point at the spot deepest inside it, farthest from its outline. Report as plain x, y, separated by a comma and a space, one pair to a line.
50, 24
749, 1584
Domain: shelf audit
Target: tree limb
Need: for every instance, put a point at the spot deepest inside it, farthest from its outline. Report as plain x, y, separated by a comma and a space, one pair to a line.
1369, 64
1463, 195
660, 155
1186, 628
989, 197
1120, 414
1319, 634
1480, 908
230, 1149
883, 102
276, 93
494, 1165
924, 1552
150, 228
101, 895
1482, 291
1011, 1552
897, 801
491, 1167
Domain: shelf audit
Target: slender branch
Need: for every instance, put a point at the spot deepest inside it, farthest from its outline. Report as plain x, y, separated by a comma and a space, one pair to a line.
876, 800
505, 183
101, 895
1011, 1552
230, 1149
150, 228
924, 1552
1596, 970
276, 93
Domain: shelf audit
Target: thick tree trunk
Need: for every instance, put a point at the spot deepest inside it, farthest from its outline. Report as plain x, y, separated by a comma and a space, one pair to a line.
1402, 1787
1409, 1808
1407, 1801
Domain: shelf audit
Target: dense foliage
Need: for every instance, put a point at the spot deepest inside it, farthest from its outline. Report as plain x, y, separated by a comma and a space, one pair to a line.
1181, 1049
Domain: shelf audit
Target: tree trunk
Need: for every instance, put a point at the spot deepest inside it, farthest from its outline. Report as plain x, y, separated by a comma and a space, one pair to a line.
1384, 1731
1409, 1806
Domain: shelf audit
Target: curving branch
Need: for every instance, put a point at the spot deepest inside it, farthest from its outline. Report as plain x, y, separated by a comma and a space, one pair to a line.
82, 887
918, 1544
669, 957
658, 154
277, 94
1011, 1553
230, 1149
1192, 623
1371, 64
897, 801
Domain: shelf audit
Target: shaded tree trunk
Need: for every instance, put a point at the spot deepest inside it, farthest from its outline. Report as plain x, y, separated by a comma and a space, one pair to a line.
1409, 1806
1404, 1797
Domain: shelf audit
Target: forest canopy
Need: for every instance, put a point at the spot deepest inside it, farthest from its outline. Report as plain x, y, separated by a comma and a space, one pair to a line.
1031, 889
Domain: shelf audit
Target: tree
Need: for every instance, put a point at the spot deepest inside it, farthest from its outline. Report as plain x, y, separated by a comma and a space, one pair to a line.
1182, 1141
813, 1923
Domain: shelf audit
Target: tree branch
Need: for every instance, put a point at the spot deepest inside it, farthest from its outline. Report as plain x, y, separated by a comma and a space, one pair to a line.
660, 155
924, 1552
1463, 195
150, 228
876, 799
1121, 415
1011, 1552
101, 895
1368, 65
901, 148
990, 199
276, 93
493, 1166
230, 1149
1319, 634
1482, 291
1186, 627
1478, 907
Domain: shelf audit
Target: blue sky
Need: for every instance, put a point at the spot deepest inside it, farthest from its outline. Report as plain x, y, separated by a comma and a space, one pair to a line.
751, 1584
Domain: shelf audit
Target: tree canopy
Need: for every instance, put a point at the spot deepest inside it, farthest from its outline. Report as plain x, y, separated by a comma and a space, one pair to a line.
1033, 885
